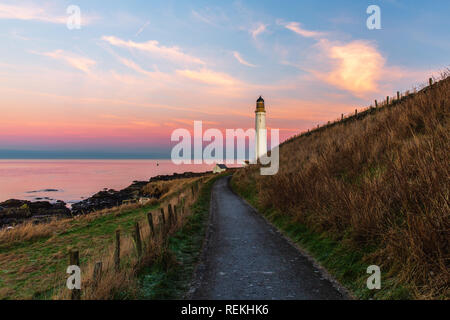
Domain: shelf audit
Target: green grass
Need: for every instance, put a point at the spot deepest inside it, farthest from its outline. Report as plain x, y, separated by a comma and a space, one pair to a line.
170, 276
347, 264
34, 269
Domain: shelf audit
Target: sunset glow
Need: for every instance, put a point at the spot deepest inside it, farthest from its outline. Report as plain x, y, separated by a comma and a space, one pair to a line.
136, 71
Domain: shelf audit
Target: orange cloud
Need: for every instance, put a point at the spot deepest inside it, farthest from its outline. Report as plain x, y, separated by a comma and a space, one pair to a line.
153, 47
81, 63
30, 12
297, 28
132, 65
241, 60
355, 66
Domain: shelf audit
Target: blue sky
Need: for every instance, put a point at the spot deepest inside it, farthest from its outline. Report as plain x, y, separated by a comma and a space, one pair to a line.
137, 70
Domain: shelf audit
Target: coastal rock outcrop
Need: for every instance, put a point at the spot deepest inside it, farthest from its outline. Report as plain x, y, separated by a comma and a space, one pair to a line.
108, 198
111, 198
15, 211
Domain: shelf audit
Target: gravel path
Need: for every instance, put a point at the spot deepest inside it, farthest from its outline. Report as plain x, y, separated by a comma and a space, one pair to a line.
246, 258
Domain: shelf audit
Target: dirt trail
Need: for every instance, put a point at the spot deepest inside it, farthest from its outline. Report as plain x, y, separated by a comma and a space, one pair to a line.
246, 258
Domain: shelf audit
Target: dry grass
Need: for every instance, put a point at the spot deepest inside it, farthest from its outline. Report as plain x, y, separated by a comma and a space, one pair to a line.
113, 284
382, 181
33, 258
166, 188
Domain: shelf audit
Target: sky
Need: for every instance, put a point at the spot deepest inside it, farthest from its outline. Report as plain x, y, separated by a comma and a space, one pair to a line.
137, 70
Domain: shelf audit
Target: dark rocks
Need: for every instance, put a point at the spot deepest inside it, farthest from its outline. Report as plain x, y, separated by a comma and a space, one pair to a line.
177, 176
15, 211
108, 198
44, 190
111, 198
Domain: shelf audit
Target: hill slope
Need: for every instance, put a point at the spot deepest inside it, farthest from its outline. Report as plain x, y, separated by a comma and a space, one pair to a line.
373, 190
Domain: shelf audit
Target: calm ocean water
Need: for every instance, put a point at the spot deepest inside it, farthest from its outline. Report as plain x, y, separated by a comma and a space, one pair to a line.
75, 180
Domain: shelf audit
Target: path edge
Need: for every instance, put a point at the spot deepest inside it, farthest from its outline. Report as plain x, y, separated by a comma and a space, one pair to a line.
198, 273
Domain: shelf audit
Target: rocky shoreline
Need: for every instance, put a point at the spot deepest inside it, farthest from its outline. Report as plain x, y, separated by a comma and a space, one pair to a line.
13, 211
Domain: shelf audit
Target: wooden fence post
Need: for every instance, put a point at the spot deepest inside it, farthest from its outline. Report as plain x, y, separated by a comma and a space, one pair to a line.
137, 239
431, 81
150, 224
398, 95
387, 100
117, 252
169, 209
376, 104
342, 116
74, 260
97, 273
162, 220
175, 213
356, 112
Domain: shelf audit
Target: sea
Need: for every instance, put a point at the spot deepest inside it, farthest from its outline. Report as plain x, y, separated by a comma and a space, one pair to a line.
74, 180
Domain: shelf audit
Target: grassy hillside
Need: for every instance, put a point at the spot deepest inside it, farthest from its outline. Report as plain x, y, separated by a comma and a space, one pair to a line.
34, 258
373, 189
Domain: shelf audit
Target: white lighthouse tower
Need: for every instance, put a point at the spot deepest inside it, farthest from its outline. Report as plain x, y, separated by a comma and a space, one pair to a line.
260, 129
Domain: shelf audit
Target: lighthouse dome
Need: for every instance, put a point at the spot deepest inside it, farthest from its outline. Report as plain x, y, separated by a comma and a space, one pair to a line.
260, 105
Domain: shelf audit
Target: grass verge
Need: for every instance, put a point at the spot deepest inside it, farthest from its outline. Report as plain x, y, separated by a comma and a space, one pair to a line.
169, 276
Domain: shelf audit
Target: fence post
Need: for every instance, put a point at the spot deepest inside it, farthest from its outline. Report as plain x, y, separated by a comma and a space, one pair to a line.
342, 116
398, 95
137, 239
117, 252
356, 112
74, 260
431, 81
162, 220
97, 273
387, 100
175, 212
150, 224
169, 208
376, 104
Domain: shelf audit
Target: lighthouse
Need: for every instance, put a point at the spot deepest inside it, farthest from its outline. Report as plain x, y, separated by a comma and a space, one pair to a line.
260, 129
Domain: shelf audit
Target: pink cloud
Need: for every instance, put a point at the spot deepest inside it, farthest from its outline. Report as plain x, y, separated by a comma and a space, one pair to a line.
78, 62
356, 66
34, 13
298, 29
153, 47
241, 60
259, 29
